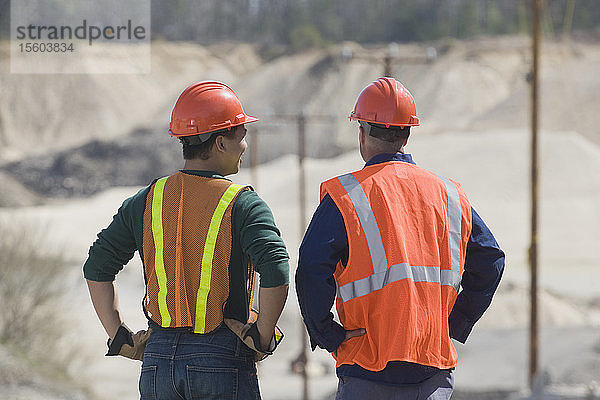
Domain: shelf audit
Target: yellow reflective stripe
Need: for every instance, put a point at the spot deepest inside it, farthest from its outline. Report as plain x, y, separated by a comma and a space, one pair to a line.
159, 265
207, 256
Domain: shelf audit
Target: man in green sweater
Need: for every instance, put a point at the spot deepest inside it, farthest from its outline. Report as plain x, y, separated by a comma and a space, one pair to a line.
201, 238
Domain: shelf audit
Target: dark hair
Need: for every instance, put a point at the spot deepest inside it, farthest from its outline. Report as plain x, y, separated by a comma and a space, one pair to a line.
194, 147
391, 134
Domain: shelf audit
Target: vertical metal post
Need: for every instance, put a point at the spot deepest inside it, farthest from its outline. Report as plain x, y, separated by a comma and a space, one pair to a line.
303, 357
387, 65
302, 175
533, 249
254, 157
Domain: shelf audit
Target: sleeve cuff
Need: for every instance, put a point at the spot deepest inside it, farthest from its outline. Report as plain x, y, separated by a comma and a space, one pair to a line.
341, 336
330, 340
276, 274
459, 326
92, 273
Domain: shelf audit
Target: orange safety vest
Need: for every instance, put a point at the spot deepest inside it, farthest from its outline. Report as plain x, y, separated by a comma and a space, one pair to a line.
407, 233
187, 246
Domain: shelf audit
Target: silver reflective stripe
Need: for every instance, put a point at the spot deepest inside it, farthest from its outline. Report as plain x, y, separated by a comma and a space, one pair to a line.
367, 221
454, 228
379, 280
383, 275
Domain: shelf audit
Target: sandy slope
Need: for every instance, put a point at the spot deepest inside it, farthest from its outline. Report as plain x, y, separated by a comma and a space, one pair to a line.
475, 85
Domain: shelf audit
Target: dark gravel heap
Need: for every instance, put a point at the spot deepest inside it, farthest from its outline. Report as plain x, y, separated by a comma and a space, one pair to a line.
134, 160
144, 155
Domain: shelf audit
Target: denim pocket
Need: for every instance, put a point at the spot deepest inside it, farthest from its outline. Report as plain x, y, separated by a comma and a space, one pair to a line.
148, 383
212, 383
248, 388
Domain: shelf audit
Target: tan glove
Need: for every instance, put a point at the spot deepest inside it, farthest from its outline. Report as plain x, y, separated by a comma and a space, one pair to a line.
128, 344
136, 352
249, 334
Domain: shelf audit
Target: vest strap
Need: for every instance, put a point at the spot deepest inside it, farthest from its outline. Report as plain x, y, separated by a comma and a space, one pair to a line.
454, 226
207, 256
159, 265
367, 221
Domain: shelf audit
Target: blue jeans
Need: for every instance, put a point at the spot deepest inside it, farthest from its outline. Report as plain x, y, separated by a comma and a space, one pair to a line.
438, 387
184, 365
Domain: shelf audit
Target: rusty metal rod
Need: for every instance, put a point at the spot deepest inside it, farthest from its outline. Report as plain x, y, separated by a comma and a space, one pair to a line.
302, 200
533, 249
387, 66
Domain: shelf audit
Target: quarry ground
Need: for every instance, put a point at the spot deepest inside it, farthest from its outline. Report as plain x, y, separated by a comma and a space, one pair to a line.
473, 104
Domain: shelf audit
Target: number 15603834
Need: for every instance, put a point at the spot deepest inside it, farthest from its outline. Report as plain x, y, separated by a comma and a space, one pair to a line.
46, 47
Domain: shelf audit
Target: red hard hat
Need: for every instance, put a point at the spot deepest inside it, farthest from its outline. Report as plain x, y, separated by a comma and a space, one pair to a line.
387, 102
206, 107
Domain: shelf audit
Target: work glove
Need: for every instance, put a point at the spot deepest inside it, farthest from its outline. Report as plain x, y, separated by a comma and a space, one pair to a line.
249, 334
128, 344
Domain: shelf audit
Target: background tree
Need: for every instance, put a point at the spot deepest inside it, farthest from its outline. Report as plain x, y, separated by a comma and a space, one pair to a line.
299, 24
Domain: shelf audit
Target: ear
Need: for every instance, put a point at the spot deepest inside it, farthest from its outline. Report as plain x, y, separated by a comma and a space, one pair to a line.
362, 143
220, 143
362, 135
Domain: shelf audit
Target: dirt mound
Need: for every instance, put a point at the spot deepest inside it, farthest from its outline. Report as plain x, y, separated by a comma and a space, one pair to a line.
570, 92
48, 113
475, 85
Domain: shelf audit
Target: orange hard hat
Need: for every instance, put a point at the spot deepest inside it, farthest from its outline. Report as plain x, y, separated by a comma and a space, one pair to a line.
206, 107
386, 101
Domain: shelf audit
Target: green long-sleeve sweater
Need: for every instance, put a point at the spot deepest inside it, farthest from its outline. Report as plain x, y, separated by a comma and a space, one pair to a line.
254, 237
